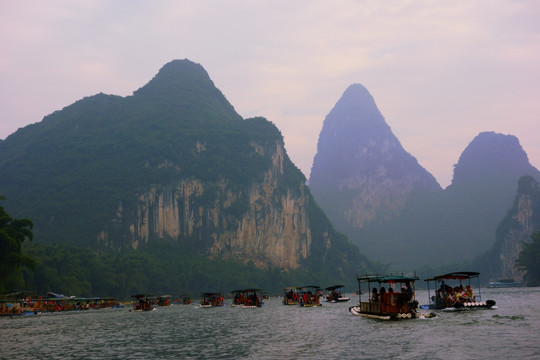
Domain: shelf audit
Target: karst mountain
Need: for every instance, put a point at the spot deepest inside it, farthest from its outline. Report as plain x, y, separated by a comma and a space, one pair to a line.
173, 162
374, 191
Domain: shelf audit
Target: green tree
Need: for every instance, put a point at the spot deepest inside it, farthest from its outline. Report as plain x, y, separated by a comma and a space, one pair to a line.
13, 233
529, 260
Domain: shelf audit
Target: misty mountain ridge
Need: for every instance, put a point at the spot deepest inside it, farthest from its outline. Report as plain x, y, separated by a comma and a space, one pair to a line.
391, 207
489, 155
361, 172
356, 126
175, 161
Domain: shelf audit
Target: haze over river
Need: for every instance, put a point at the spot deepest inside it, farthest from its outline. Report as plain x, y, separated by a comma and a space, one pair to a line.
276, 331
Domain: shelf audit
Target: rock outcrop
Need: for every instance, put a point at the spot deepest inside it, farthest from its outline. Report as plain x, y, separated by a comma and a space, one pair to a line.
516, 228
274, 228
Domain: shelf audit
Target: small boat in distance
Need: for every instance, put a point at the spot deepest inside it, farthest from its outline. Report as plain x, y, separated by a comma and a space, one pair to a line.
211, 299
164, 300
309, 296
453, 291
505, 283
291, 295
248, 298
335, 294
384, 303
143, 302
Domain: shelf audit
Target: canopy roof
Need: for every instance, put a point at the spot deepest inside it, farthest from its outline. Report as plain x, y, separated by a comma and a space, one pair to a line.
247, 290
291, 288
71, 298
461, 275
51, 294
140, 296
388, 278
17, 294
334, 287
310, 287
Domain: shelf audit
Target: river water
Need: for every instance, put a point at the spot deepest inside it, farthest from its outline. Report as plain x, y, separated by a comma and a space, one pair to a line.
276, 331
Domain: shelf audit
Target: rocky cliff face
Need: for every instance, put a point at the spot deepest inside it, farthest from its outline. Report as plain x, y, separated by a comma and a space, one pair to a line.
516, 228
272, 226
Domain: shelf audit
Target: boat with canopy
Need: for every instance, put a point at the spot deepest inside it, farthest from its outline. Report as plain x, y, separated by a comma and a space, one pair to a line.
291, 295
247, 298
309, 296
335, 294
456, 291
143, 302
211, 299
385, 303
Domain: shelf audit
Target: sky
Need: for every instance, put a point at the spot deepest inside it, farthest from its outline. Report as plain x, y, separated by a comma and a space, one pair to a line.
440, 72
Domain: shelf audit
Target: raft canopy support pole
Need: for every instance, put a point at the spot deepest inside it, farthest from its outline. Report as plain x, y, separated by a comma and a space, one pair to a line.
428, 293
479, 289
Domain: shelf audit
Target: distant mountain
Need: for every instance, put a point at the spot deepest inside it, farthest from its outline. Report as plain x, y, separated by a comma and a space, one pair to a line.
173, 162
491, 156
460, 222
361, 173
483, 188
390, 206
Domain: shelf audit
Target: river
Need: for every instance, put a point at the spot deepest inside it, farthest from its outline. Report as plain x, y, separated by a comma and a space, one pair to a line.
276, 331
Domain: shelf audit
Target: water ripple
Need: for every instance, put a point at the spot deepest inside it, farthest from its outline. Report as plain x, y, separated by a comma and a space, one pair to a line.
278, 332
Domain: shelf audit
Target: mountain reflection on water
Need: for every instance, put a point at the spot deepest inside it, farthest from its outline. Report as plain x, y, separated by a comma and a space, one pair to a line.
276, 331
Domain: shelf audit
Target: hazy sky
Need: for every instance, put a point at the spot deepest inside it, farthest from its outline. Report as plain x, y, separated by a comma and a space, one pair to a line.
439, 71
